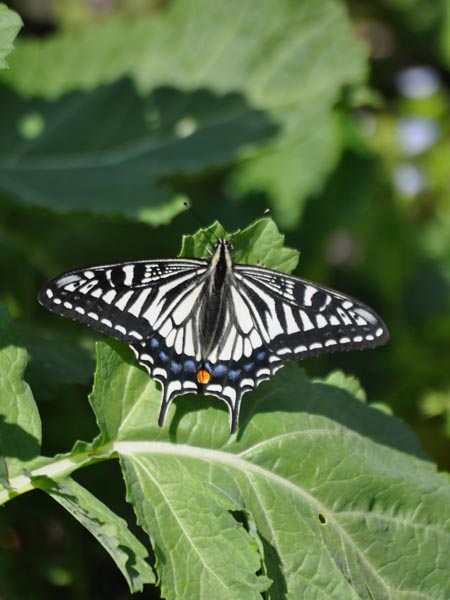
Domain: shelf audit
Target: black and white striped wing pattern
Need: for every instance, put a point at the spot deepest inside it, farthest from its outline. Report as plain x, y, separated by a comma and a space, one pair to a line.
298, 318
211, 326
128, 301
155, 306
272, 318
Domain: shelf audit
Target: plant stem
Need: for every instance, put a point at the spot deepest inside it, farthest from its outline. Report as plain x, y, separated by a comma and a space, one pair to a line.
55, 470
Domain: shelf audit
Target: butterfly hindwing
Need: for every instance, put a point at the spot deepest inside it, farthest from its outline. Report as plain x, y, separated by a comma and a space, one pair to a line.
176, 372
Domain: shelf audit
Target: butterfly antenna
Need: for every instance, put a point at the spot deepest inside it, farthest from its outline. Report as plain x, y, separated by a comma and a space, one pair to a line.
265, 213
188, 206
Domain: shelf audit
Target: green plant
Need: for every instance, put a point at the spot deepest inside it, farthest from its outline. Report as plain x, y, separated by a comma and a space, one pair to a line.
104, 129
318, 491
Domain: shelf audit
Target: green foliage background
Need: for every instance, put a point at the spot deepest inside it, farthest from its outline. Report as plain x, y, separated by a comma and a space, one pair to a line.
111, 116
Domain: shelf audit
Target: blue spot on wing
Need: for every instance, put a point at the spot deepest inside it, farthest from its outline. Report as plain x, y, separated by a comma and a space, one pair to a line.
234, 374
175, 367
154, 343
261, 355
219, 370
249, 366
189, 366
163, 356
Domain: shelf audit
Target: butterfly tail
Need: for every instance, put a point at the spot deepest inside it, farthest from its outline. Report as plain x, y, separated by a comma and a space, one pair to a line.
165, 403
234, 415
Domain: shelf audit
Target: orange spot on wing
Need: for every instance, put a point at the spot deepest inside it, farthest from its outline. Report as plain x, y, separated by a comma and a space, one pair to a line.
203, 376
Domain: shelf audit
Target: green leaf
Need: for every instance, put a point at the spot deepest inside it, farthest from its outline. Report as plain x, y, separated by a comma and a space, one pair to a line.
117, 420
10, 24
201, 550
109, 529
330, 486
260, 243
47, 158
20, 424
287, 60
335, 489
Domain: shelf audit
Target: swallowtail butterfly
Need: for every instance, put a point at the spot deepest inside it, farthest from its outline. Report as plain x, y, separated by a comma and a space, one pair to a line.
212, 326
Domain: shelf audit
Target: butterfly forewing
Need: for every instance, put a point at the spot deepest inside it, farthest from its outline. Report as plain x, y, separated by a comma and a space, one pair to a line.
126, 301
300, 318
211, 326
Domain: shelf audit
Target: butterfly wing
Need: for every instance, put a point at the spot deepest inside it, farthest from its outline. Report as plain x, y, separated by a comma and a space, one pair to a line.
273, 318
300, 318
152, 305
159, 307
127, 301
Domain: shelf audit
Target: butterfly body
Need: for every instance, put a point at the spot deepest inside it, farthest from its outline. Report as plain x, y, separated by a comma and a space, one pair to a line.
215, 298
211, 325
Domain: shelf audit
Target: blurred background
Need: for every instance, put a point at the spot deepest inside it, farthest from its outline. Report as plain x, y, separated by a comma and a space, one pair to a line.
334, 114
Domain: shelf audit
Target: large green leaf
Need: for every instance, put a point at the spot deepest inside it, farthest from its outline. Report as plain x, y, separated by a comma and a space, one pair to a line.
287, 59
317, 496
10, 24
332, 489
49, 157
341, 497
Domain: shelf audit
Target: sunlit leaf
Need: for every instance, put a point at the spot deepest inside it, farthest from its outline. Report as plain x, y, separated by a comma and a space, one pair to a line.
10, 24
334, 487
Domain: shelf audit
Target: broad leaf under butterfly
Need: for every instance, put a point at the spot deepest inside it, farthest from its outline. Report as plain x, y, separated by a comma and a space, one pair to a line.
212, 326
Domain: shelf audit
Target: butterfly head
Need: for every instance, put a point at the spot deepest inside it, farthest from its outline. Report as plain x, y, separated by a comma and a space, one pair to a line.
222, 253
223, 243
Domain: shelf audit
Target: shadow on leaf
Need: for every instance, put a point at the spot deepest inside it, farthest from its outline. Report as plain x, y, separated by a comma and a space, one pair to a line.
15, 442
290, 391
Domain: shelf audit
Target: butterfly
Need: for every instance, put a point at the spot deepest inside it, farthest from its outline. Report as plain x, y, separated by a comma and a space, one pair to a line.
212, 326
